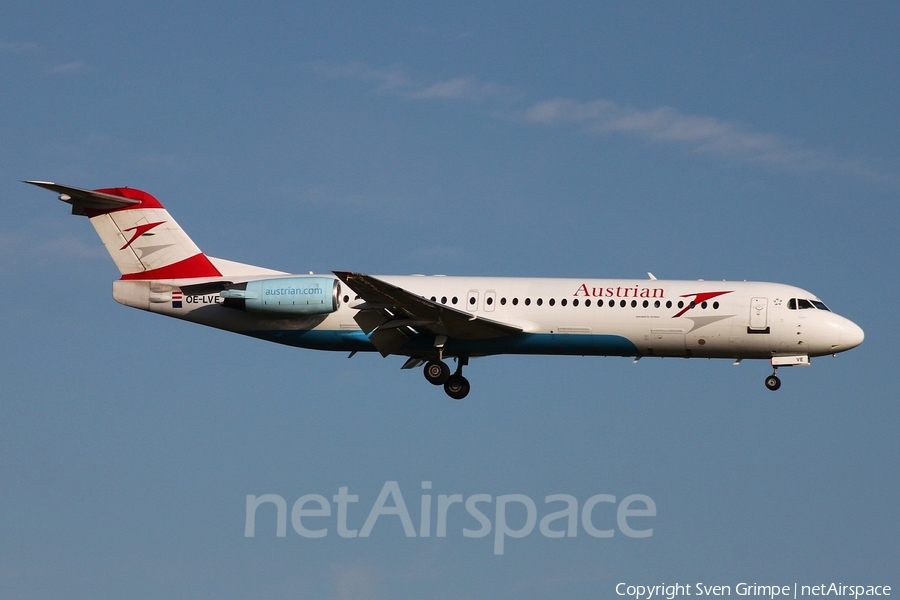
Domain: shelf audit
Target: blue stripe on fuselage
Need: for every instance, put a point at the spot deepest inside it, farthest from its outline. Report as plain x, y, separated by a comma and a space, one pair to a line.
520, 343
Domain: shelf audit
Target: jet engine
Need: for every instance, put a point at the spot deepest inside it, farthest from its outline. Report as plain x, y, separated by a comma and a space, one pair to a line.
301, 295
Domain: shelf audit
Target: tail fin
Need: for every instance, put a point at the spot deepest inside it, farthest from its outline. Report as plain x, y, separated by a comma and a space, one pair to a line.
143, 239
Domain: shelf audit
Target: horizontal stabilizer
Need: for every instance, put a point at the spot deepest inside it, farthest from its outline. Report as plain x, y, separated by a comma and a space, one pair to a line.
85, 199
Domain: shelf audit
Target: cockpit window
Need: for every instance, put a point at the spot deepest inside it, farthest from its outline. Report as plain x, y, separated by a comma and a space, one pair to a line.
801, 303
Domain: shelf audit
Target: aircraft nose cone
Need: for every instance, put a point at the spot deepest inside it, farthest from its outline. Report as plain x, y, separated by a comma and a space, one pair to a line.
852, 335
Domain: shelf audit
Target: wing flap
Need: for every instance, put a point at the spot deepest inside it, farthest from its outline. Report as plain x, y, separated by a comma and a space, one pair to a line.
388, 341
369, 320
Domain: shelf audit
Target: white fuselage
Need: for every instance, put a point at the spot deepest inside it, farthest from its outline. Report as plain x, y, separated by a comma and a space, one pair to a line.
611, 317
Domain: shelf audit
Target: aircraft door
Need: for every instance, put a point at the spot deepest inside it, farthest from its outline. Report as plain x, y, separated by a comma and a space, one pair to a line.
759, 314
472, 301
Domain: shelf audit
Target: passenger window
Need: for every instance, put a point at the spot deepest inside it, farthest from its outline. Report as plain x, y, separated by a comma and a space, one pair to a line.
668, 304
540, 301
527, 301
563, 302
587, 302
622, 304
575, 302
515, 301
646, 304
552, 301
703, 305
502, 301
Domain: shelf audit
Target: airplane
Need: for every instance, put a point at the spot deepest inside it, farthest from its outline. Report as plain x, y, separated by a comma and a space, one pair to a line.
430, 319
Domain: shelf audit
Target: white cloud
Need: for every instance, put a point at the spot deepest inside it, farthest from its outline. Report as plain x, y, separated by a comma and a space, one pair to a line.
464, 88
697, 133
455, 88
17, 47
24, 249
664, 124
68, 68
390, 80
396, 81
70, 247
701, 134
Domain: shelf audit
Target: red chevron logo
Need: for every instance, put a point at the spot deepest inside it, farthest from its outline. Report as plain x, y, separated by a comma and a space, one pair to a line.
698, 298
139, 230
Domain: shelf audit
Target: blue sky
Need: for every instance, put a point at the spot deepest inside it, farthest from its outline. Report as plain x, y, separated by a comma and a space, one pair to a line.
706, 140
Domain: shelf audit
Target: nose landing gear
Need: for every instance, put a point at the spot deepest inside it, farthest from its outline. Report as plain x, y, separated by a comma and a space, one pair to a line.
796, 360
772, 381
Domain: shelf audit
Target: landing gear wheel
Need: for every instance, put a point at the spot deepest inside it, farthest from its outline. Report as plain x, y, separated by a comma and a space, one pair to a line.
437, 372
457, 387
772, 382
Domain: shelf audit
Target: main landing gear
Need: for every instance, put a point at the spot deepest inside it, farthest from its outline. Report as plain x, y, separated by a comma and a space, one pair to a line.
772, 381
438, 373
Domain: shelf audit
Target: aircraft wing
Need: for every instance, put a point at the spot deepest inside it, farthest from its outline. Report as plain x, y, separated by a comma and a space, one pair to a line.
391, 315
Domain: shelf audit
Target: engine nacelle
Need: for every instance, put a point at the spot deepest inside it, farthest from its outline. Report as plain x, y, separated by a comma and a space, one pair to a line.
302, 295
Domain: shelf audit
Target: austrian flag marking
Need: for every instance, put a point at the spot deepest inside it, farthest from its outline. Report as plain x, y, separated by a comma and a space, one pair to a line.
177, 297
